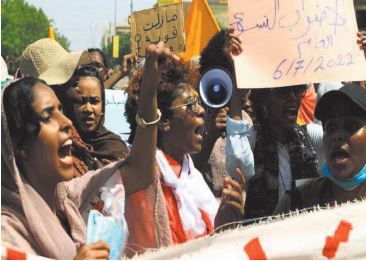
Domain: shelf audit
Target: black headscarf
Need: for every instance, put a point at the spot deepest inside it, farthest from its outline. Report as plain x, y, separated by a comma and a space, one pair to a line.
106, 144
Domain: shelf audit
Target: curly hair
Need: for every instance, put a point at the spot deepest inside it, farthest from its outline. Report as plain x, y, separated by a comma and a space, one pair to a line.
174, 77
213, 54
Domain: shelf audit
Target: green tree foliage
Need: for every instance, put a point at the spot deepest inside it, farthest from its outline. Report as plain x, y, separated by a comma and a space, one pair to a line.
65, 43
21, 25
124, 48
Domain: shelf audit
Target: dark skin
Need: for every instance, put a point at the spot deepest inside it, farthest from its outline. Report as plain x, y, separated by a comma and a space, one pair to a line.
344, 141
128, 62
89, 112
282, 110
140, 176
179, 127
344, 146
216, 125
99, 64
44, 159
231, 209
179, 134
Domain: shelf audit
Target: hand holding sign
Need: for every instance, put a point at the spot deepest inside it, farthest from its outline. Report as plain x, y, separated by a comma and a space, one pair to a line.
232, 44
156, 56
361, 41
129, 62
158, 24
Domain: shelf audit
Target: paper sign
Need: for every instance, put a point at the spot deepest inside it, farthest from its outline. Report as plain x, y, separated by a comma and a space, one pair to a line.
289, 42
151, 26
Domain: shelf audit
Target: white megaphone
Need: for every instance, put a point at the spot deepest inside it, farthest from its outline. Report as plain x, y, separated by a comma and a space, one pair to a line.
216, 87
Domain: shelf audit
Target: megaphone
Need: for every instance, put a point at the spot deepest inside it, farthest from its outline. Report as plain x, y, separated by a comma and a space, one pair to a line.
216, 87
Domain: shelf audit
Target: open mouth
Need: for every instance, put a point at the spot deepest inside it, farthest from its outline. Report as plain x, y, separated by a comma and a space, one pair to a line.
89, 120
291, 112
64, 152
199, 130
339, 155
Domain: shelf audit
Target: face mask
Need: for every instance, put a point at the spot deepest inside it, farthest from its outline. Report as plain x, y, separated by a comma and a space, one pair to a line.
348, 184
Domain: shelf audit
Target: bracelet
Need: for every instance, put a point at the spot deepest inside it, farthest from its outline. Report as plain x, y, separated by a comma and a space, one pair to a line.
142, 123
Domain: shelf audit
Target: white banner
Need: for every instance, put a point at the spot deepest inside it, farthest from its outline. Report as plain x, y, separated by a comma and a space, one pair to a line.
338, 233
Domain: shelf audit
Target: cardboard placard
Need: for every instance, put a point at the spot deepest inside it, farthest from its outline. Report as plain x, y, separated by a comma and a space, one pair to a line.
150, 26
291, 42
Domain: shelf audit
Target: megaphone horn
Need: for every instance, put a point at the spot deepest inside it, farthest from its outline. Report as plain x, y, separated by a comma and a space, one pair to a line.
216, 87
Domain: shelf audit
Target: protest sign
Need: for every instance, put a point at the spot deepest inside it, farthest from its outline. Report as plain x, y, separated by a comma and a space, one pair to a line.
115, 120
292, 42
168, 2
151, 26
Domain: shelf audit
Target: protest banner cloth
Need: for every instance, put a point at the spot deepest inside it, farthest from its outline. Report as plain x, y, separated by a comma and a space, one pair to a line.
334, 233
293, 42
11, 253
151, 26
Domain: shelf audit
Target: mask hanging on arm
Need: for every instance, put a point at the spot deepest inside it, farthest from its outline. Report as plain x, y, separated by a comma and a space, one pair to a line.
348, 184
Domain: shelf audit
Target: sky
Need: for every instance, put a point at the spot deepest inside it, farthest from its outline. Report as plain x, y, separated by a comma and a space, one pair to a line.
84, 21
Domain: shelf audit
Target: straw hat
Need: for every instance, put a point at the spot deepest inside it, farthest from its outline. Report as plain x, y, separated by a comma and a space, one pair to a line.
48, 60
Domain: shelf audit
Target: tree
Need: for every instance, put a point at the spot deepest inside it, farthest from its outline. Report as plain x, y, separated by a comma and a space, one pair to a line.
21, 25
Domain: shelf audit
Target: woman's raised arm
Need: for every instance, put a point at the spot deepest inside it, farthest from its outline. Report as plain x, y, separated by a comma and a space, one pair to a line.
139, 168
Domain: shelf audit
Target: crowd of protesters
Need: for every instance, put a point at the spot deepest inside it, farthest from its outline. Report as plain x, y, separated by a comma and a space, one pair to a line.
186, 171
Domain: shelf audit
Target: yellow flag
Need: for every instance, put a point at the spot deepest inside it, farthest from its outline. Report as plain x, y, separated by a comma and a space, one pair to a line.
51, 32
200, 27
168, 2
115, 46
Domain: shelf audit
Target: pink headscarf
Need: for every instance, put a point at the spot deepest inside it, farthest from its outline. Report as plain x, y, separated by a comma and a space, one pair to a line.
33, 215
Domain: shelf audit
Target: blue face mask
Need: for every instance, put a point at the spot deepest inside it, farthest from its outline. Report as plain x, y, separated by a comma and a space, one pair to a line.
348, 184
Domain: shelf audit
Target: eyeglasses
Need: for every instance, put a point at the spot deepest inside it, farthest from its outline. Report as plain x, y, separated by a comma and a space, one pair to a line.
192, 103
283, 93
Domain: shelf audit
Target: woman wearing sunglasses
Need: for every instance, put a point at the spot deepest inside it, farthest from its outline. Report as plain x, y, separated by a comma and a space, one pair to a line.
276, 153
179, 205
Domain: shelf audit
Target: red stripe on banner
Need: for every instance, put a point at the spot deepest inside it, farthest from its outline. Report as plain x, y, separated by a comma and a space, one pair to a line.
340, 235
12, 254
254, 250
